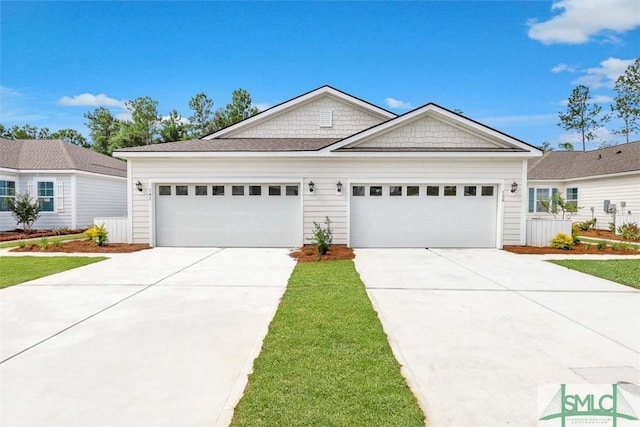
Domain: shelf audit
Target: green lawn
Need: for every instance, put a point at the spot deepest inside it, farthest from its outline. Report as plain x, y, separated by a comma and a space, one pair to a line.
326, 360
16, 243
625, 271
18, 269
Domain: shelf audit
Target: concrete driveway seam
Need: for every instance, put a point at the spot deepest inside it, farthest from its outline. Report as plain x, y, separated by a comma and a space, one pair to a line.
104, 309
519, 293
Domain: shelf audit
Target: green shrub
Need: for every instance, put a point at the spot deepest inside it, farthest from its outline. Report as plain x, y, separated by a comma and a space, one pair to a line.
98, 234
322, 237
562, 241
612, 227
575, 228
43, 243
22, 244
602, 245
587, 225
56, 243
629, 231
25, 210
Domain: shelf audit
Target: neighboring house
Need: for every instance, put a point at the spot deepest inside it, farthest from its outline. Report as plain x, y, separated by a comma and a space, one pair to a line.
72, 184
427, 178
591, 180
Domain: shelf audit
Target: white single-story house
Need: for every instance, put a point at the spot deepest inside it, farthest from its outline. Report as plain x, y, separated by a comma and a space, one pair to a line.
597, 181
72, 184
427, 178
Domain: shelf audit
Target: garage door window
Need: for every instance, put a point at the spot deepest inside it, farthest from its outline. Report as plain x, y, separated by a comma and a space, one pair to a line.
217, 190
433, 190
487, 190
395, 190
450, 190
292, 190
182, 190
255, 190
358, 190
164, 190
375, 191
470, 190
237, 190
413, 190
201, 190
275, 190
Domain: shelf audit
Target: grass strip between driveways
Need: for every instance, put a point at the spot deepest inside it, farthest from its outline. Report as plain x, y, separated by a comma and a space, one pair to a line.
18, 269
625, 271
326, 360
16, 243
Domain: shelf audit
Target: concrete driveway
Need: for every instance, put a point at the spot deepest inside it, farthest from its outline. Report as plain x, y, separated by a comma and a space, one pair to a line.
158, 337
478, 330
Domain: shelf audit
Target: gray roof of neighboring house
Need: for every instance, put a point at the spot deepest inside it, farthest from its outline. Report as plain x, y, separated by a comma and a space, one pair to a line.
55, 154
581, 164
238, 144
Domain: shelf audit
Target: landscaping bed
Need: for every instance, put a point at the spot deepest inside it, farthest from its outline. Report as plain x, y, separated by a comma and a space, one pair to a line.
578, 249
600, 234
309, 253
79, 246
6, 236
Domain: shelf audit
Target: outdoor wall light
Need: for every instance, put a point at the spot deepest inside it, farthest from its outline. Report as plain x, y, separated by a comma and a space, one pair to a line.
339, 187
311, 186
139, 186
514, 187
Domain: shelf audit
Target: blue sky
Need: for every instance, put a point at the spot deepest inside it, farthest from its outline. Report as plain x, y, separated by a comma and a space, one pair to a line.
509, 64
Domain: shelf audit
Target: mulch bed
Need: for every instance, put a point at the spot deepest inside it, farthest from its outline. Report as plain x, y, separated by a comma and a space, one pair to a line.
74, 246
578, 249
309, 253
7, 236
600, 234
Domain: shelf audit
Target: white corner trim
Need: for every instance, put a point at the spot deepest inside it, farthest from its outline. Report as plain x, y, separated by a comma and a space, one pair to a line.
74, 202
524, 204
129, 202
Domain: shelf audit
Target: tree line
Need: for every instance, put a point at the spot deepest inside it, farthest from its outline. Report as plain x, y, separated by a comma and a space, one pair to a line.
584, 116
146, 126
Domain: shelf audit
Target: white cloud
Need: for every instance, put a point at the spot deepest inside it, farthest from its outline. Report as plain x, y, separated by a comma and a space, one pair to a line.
579, 20
395, 103
601, 134
182, 119
124, 115
90, 100
604, 75
9, 92
563, 67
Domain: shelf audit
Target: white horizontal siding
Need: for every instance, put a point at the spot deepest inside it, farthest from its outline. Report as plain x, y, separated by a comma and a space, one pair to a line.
325, 173
7, 221
99, 197
593, 193
61, 217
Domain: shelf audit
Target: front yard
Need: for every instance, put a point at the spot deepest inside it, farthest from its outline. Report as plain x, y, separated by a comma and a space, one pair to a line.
625, 271
16, 269
326, 359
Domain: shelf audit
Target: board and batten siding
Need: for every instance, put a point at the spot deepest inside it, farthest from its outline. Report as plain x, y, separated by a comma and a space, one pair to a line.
99, 197
325, 173
304, 121
593, 193
62, 214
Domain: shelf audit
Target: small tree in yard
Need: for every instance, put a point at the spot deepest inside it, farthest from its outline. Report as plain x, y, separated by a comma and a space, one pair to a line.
558, 205
322, 237
25, 210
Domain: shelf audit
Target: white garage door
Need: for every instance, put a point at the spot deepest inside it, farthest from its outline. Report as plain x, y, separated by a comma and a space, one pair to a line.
423, 216
228, 215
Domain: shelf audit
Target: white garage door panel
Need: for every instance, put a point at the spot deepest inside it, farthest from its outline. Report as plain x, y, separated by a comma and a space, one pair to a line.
228, 221
423, 221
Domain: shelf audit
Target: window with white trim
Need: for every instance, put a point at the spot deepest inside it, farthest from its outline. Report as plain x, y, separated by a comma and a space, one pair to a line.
539, 195
572, 197
7, 192
46, 196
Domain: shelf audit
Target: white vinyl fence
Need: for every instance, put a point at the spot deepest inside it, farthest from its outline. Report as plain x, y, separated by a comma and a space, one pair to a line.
540, 231
116, 226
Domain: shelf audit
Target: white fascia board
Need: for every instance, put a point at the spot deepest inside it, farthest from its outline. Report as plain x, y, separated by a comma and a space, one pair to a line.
321, 154
454, 120
273, 111
70, 172
587, 178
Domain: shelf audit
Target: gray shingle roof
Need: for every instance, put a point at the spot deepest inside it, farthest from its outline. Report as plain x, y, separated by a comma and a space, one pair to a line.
237, 144
55, 154
579, 164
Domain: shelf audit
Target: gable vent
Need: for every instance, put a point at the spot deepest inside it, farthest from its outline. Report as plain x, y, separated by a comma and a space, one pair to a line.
326, 118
